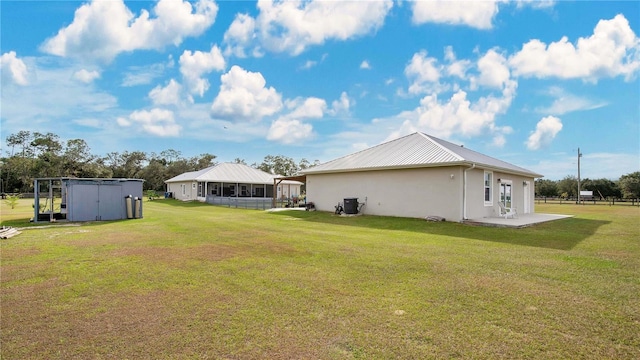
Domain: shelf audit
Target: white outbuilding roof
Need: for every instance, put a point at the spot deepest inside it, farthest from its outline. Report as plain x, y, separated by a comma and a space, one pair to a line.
229, 173
415, 151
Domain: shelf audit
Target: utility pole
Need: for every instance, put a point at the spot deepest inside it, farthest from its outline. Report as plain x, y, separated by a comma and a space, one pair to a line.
579, 156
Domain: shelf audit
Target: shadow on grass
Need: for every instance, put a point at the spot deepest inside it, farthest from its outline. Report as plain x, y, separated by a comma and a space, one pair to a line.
561, 234
25, 222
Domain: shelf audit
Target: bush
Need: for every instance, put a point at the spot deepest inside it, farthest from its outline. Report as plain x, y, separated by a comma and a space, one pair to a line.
12, 200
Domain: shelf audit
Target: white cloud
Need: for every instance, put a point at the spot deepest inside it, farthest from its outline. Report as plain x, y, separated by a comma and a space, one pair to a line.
613, 50
311, 107
308, 64
290, 128
289, 131
86, 76
157, 122
457, 116
493, 69
457, 68
92, 123
546, 131
143, 75
103, 29
241, 32
342, 105
13, 69
566, 102
53, 99
423, 71
536, 4
476, 14
365, 65
244, 97
293, 26
168, 95
194, 65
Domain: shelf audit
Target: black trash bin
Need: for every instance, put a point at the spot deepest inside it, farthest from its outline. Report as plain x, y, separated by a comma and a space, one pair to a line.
351, 205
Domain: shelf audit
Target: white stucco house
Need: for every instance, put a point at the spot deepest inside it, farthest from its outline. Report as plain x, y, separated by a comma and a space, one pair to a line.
229, 180
419, 175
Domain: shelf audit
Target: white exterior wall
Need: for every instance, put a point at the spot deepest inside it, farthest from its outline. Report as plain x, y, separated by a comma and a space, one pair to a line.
405, 192
476, 208
518, 195
191, 190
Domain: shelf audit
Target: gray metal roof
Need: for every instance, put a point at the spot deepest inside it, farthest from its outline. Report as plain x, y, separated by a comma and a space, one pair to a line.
228, 172
414, 151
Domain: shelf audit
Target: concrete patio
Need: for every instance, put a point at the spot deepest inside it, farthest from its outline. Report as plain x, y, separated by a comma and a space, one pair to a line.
520, 221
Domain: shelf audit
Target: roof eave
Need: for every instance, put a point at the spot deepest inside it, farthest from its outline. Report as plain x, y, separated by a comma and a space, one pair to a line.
380, 168
420, 166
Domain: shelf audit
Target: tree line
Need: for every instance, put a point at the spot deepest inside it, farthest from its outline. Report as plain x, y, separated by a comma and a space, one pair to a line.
31, 155
626, 187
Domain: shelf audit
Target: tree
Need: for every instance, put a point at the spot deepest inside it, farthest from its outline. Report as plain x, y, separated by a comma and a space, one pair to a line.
203, 161
126, 165
47, 149
568, 186
154, 175
267, 164
630, 185
239, 161
278, 165
285, 166
304, 164
76, 159
546, 188
602, 188
177, 167
18, 169
12, 200
23, 140
171, 155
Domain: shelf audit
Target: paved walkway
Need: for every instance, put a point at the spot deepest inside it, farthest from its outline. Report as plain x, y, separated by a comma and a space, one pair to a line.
519, 221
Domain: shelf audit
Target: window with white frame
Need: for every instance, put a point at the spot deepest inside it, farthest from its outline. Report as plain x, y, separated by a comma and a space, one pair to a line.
488, 193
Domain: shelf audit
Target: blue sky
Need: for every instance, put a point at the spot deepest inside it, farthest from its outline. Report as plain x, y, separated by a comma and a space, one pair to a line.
528, 82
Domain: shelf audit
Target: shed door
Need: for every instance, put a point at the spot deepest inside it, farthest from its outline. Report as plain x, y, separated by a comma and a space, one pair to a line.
97, 202
84, 203
111, 203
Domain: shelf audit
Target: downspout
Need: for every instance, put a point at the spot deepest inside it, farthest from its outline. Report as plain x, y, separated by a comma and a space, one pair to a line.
464, 192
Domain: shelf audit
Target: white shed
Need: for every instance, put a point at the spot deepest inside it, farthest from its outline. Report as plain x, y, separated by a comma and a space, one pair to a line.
87, 199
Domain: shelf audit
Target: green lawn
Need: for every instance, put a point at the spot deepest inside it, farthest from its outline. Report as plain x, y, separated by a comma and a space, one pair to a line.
194, 281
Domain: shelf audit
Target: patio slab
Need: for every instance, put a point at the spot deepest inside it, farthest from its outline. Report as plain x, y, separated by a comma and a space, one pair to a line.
519, 221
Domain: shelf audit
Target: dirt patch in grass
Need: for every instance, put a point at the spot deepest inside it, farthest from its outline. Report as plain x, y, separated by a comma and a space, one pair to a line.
177, 255
18, 253
207, 252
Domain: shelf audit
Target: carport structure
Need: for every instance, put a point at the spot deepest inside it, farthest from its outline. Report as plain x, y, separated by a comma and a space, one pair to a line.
278, 180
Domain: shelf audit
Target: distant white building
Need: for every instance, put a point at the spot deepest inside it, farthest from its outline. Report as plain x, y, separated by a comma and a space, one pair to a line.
419, 175
229, 180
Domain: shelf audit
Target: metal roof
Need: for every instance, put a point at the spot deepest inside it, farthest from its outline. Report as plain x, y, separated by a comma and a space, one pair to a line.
415, 151
228, 172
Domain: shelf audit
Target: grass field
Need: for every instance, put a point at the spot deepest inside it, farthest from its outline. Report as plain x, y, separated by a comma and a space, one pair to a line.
194, 281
